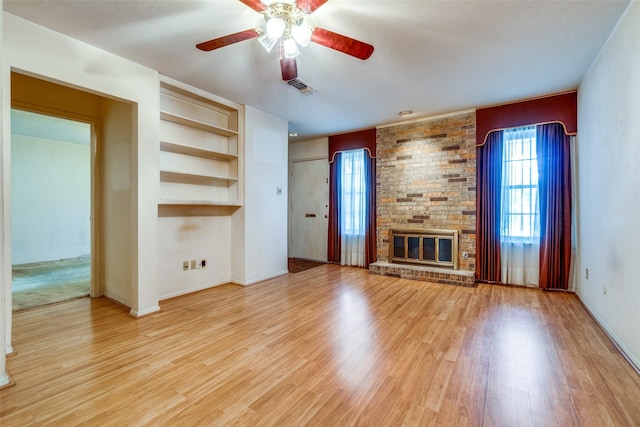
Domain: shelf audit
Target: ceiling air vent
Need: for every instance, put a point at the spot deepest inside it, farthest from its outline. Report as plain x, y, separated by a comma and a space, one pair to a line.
302, 87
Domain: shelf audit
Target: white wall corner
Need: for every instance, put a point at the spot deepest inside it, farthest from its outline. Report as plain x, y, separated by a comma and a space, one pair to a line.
5, 265
145, 312
266, 196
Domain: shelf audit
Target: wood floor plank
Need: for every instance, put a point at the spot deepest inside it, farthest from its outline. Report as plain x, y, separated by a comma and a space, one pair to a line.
326, 346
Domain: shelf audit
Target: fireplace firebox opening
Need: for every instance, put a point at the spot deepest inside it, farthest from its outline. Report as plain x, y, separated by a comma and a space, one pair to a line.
424, 247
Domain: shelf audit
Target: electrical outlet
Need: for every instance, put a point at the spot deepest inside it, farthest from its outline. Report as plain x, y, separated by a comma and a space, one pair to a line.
185, 265
193, 264
586, 274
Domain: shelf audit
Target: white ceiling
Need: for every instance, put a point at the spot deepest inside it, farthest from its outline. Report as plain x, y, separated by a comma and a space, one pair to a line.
430, 57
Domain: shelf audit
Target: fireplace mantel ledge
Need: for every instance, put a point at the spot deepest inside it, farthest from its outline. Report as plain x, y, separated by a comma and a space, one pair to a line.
423, 273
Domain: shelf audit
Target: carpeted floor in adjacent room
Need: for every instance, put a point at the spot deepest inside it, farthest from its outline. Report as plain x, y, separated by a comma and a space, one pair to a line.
43, 283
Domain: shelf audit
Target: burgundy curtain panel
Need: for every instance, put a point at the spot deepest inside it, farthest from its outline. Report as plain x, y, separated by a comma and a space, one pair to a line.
365, 139
489, 179
335, 189
554, 182
370, 240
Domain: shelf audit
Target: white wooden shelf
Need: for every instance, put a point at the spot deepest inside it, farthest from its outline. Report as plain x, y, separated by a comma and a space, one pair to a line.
195, 179
166, 202
189, 150
186, 121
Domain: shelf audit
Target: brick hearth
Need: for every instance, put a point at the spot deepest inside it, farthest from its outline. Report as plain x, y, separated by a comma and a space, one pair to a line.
423, 273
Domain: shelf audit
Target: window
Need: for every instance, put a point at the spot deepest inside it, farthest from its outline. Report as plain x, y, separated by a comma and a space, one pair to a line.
520, 207
353, 195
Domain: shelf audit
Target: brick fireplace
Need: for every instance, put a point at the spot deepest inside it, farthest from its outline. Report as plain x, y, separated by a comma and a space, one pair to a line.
426, 179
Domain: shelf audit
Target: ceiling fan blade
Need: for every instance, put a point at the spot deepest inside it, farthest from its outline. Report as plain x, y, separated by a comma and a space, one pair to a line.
342, 43
289, 68
309, 6
256, 5
227, 40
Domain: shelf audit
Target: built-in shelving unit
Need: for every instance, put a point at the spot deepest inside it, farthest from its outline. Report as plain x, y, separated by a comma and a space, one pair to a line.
200, 148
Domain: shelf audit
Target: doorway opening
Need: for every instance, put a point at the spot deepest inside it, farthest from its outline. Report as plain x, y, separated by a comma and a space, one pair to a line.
50, 208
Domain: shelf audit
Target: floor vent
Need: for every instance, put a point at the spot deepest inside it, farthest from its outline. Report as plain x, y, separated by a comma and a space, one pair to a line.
302, 87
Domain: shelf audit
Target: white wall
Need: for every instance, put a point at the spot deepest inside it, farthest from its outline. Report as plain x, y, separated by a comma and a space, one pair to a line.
198, 237
259, 228
609, 177
117, 189
312, 149
50, 199
38, 51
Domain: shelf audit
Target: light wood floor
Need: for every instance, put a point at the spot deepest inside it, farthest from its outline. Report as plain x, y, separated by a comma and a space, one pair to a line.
329, 346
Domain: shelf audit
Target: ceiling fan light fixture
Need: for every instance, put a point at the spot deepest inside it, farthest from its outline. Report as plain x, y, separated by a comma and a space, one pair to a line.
285, 26
301, 34
267, 41
276, 27
290, 48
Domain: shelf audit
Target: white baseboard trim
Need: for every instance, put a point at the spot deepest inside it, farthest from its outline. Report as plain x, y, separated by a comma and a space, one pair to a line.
142, 313
254, 281
5, 381
192, 290
622, 348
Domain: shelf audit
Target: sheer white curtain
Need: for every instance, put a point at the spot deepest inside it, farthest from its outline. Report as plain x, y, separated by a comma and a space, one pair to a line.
520, 208
352, 215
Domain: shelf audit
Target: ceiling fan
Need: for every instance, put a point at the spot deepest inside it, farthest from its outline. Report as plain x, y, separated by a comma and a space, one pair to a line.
285, 24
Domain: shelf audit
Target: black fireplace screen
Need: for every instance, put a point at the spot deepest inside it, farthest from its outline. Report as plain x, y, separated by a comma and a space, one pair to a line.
430, 247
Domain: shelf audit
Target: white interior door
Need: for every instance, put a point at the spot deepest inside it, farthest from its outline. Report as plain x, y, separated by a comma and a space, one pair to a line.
310, 209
